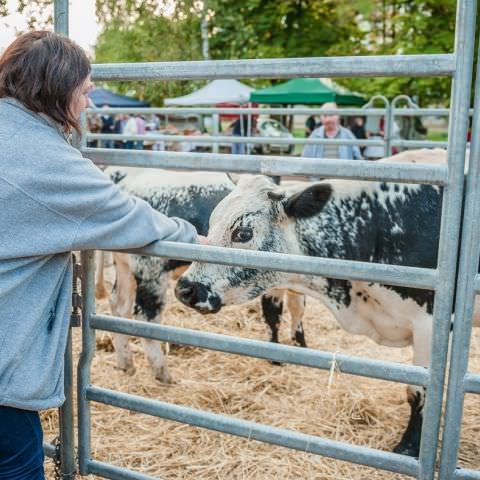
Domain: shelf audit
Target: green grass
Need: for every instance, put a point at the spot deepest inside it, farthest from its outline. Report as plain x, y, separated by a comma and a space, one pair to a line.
437, 136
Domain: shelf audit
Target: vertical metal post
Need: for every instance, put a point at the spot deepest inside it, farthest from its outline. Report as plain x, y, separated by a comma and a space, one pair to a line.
449, 233
65, 413
67, 443
249, 130
215, 130
464, 304
60, 14
84, 363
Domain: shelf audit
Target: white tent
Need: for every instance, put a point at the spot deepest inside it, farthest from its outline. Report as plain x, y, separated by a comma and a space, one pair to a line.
217, 91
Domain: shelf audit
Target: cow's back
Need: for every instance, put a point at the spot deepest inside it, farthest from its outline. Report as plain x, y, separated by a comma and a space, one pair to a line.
188, 195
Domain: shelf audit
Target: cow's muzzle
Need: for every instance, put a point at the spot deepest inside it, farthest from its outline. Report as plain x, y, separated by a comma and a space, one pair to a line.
198, 296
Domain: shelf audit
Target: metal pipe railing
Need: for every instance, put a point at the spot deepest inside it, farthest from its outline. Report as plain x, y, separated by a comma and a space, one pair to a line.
255, 431
306, 357
360, 66
272, 165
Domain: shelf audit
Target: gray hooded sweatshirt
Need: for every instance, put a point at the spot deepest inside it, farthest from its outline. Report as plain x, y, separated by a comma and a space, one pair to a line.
53, 201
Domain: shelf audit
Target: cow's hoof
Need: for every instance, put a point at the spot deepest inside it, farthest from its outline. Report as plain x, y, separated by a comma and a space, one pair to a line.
277, 364
407, 448
298, 343
162, 375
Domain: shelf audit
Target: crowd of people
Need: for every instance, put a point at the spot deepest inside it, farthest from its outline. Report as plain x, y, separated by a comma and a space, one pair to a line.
127, 124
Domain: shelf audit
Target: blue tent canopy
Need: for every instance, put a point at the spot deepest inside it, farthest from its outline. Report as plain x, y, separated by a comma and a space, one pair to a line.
102, 96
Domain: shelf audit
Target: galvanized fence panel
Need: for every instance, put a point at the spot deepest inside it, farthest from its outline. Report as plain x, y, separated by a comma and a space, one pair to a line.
442, 279
460, 381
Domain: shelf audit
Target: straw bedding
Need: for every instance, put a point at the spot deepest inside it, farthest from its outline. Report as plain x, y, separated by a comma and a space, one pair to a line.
338, 406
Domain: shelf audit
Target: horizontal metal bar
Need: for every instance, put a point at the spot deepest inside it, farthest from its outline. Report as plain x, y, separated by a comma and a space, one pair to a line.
419, 144
466, 474
358, 66
106, 470
272, 165
255, 348
423, 278
424, 112
477, 283
471, 383
360, 111
255, 431
228, 139
49, 450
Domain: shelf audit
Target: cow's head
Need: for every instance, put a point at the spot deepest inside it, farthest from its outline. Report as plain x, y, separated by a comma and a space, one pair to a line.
256, 215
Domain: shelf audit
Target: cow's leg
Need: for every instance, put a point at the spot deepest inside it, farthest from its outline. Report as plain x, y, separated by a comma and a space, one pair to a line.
149, 304
272, 307
410, 442
296, 307
121, 304
100, 289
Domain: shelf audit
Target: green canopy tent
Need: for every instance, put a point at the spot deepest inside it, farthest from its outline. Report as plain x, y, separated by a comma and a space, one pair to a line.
309, 91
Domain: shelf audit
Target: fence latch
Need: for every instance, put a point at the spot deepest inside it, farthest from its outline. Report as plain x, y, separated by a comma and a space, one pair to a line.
76, 316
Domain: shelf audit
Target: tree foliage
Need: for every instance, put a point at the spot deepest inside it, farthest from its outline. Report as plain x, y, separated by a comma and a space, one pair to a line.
163, 30
404, 27
147, 35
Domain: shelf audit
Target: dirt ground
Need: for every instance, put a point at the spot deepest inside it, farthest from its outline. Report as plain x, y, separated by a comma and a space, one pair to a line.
352, 409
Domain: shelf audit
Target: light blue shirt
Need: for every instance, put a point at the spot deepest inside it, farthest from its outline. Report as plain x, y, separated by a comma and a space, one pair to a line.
345, 152
53, 201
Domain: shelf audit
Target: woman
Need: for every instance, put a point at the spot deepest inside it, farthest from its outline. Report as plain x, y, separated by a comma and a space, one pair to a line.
52, 201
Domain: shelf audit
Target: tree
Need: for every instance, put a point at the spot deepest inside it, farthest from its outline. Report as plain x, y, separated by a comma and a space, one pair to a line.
147, 38
404, 27
266, 29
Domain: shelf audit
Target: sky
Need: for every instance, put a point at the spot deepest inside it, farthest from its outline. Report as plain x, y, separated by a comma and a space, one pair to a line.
83, 25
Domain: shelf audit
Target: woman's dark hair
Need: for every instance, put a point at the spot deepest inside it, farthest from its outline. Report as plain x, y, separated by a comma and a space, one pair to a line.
42, 70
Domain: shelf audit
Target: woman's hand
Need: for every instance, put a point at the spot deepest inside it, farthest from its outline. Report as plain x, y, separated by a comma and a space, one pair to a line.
202, 240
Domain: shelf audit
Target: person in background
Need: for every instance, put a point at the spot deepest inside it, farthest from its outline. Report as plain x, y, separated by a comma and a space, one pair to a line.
107, 127
358, 129
119, 128
331, 129
310, 125
141, 129
53, 201
130, 128
239, 129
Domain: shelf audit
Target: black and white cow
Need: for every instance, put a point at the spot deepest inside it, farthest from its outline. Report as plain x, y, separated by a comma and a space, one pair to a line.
141, 282
354, 220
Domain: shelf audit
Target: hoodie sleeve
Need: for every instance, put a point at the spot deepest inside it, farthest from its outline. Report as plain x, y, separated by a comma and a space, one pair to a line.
123, 221
103, 216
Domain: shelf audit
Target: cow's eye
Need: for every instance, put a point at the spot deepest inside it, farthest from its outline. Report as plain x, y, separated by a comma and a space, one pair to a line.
242, 234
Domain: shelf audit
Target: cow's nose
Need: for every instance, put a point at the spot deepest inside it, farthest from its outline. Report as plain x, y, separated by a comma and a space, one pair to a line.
190, 293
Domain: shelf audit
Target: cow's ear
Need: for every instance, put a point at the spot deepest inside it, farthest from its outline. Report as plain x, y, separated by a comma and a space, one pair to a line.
308, 202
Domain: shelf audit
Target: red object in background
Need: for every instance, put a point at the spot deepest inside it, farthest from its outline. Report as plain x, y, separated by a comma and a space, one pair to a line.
469, 135
234, 116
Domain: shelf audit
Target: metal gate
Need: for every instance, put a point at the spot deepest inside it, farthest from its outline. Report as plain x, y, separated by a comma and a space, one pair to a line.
442, 279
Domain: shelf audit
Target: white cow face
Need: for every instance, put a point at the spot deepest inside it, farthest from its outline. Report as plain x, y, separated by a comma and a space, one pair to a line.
256, 215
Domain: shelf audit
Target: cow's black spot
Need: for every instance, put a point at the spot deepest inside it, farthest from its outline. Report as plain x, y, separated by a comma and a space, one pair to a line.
148, 304
339, 290
410, 442
272, 308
